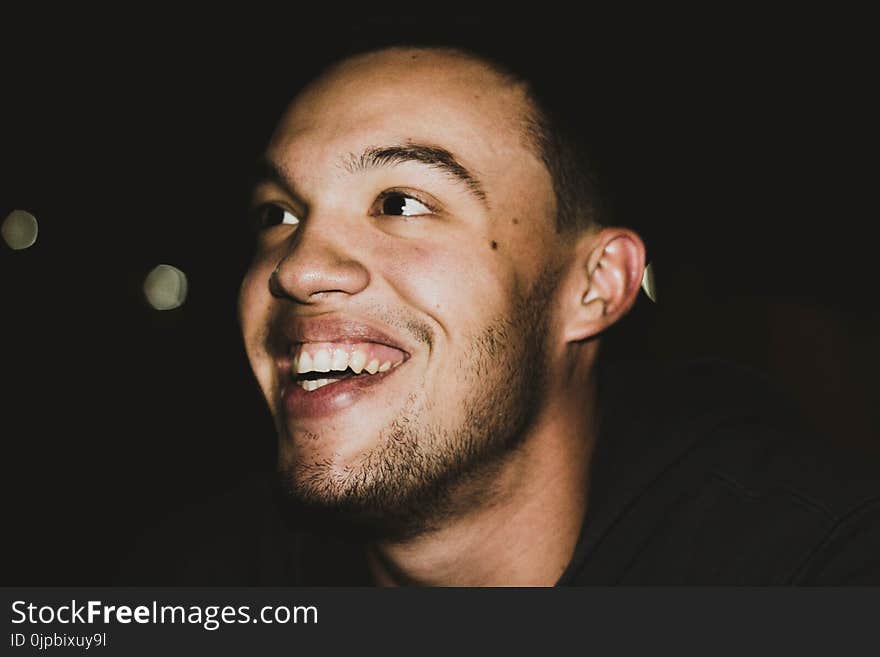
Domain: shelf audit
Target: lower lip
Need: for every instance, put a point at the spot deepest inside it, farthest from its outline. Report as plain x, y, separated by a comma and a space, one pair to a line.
333, 397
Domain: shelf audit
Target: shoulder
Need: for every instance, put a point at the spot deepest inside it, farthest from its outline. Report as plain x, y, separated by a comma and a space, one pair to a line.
232, 537
718, 468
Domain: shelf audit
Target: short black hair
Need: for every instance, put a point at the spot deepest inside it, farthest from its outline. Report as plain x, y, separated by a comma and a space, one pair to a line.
558, 127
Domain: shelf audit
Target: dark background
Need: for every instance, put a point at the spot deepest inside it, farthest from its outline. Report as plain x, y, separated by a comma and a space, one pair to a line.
739, 144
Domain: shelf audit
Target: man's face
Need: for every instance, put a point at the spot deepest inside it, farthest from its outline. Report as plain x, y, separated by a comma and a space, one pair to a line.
410, 228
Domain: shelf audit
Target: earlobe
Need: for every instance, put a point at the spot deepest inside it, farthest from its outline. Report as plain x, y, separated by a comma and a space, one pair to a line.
612, 267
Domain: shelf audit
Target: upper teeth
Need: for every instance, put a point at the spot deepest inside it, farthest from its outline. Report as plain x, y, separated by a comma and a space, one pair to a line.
342, 357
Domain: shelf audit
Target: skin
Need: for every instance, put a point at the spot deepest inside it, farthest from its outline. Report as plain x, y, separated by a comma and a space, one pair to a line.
500, 314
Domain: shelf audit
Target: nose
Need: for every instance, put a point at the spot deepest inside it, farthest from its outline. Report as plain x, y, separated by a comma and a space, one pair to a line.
320, 265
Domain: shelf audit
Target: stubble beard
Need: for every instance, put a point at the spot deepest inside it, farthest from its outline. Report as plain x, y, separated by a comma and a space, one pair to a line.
422, 473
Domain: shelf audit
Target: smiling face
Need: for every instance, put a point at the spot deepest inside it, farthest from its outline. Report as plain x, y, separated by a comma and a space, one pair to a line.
405, 272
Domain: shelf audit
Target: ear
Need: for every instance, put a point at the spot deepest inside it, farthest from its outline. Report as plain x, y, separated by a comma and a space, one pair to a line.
604, 283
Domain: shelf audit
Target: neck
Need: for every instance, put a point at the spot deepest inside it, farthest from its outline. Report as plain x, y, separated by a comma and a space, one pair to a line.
527, 531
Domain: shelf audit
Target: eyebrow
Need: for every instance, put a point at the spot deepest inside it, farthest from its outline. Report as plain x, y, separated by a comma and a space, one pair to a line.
385, 156
432, 156
265, 170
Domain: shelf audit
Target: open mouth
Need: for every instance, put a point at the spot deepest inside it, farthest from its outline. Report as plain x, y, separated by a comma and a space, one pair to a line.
315, 365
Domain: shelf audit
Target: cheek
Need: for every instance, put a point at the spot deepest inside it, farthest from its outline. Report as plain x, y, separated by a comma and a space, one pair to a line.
455, 286
254, 301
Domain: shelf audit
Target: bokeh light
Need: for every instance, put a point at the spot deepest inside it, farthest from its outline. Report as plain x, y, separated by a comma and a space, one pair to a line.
165, 287
19, 230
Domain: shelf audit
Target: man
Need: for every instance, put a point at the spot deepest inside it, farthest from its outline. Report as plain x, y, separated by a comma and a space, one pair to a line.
420, 325
423, 314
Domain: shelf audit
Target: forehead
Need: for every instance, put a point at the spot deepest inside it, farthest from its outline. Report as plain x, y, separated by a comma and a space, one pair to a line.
410, 95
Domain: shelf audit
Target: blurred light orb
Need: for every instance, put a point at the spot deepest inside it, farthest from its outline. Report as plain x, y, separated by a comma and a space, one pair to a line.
165, 287
19, 230
648, 283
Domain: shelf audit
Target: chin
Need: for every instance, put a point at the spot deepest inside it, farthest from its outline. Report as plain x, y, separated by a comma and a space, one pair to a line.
341, 444
346, 502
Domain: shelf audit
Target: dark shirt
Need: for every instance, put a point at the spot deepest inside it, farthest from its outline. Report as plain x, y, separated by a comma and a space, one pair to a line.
700, 476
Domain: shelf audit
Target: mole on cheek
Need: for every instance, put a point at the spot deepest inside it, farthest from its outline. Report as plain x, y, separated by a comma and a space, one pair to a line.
515, 220
494, 245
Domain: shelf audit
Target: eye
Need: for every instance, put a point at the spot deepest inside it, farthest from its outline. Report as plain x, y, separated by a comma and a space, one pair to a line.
270, 214
402, 205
